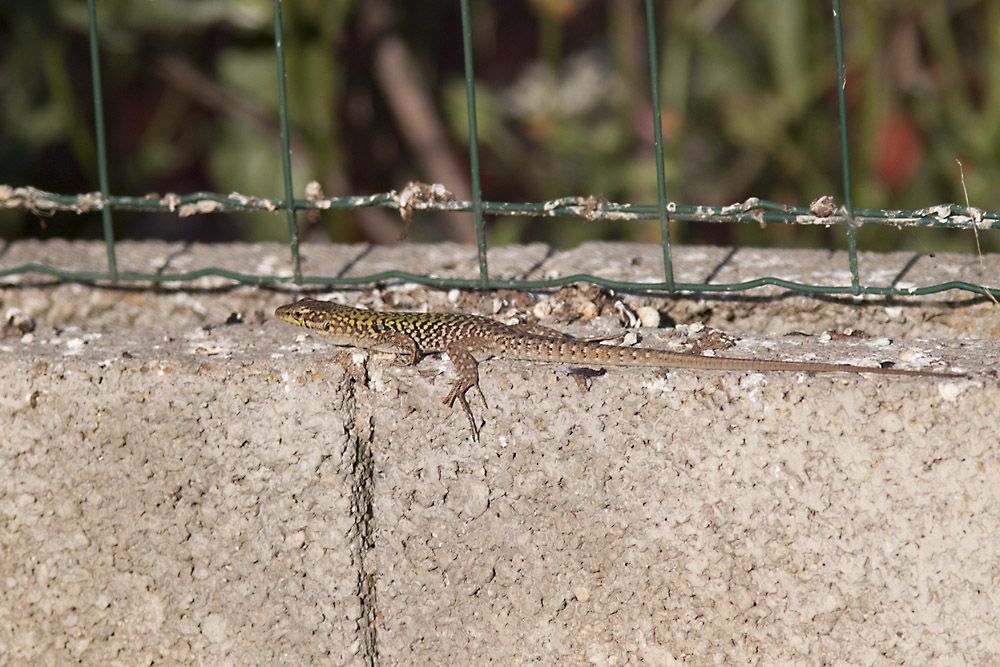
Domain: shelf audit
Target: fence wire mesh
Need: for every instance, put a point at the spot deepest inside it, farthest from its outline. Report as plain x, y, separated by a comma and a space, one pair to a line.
827, 210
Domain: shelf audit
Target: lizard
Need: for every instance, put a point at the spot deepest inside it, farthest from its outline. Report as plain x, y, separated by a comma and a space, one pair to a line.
468, 339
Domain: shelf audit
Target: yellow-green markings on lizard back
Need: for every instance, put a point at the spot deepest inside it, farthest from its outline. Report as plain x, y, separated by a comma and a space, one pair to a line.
470, 338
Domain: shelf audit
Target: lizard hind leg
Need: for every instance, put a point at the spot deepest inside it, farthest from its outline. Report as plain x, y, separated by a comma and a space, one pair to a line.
459, 393
468, 377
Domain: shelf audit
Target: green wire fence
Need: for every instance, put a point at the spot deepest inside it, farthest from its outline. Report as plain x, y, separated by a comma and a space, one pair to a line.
824, 211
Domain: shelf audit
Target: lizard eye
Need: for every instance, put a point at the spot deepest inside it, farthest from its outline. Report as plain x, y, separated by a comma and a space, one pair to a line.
326, 326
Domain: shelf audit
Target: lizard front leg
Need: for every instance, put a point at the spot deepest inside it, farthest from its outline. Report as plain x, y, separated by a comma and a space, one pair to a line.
468, 377
407, 347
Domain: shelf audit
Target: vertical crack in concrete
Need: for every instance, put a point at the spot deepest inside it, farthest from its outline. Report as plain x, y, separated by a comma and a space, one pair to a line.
362, 432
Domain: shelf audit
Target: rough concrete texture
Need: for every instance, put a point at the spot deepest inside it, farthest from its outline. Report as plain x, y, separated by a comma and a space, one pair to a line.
249, 494
160, 507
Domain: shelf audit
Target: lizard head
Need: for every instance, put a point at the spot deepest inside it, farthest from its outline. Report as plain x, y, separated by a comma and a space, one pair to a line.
308, 313
345, 324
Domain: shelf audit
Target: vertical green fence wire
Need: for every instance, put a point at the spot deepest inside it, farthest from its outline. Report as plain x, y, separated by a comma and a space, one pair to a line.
470, 101
661, 180
286, 151
102, 154
845, 159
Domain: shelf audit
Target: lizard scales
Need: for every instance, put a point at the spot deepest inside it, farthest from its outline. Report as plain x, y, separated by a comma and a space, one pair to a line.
471, 338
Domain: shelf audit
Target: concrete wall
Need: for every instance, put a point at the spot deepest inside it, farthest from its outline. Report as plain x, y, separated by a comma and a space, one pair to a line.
245, 494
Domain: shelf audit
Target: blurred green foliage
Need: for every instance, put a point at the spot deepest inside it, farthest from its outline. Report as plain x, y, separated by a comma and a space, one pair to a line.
748, 90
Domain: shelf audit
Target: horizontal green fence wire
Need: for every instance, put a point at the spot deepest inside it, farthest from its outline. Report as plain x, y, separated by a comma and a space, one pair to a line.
826, 210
